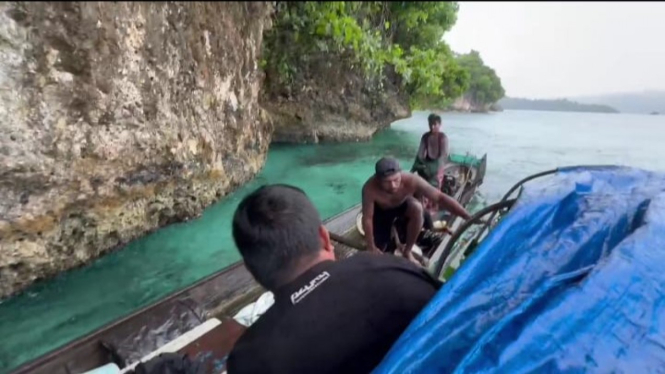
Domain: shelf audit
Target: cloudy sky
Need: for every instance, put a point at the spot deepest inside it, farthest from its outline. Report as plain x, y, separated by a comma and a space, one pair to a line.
548, 50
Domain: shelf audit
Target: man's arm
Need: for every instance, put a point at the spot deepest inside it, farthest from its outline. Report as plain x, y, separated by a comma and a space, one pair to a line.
443, 155
445, 201
368, 217
420, 155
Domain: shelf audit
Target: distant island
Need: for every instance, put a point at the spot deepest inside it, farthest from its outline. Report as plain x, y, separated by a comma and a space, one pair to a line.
556, 105
645, 102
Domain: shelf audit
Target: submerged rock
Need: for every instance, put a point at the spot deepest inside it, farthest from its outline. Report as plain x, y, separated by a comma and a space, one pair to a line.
118, 118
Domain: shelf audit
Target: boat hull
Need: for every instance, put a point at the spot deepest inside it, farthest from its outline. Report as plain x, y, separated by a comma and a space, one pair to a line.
219, 295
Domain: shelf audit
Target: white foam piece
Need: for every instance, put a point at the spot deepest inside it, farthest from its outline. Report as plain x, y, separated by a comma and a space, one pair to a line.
106, 369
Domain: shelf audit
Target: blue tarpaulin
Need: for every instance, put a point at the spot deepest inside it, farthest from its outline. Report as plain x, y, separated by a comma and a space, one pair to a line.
572, 280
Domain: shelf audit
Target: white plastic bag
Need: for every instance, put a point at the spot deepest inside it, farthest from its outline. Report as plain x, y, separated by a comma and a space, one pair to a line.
250, 313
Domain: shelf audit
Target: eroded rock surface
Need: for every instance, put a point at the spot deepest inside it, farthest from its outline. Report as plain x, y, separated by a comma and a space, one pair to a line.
332, 102
118, 118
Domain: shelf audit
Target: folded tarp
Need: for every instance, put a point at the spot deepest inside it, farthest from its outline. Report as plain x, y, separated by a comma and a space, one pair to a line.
572, 280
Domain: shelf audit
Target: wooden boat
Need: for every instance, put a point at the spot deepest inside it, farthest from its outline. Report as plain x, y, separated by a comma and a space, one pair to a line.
199, 319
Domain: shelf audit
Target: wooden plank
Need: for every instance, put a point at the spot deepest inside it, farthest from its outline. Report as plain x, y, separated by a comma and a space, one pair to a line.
341, 223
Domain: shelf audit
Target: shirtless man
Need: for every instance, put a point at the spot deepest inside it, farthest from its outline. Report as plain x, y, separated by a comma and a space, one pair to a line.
389, 194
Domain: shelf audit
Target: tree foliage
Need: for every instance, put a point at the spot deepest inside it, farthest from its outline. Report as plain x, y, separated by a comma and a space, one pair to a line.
368, 36
484, 85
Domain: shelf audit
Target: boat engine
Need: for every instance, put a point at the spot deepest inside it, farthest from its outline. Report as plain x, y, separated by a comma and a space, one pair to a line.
449, 185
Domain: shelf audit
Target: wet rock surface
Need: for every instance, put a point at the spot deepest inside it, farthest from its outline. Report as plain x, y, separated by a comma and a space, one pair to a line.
332, 102
117, 119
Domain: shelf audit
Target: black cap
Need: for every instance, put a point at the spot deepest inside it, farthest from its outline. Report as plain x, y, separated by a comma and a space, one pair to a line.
387, 166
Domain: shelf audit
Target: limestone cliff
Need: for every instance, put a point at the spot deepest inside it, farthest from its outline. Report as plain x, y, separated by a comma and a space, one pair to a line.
118, 118
332, 102
466, 104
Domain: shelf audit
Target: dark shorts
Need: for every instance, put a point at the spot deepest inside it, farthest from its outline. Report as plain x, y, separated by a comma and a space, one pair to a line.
384, 219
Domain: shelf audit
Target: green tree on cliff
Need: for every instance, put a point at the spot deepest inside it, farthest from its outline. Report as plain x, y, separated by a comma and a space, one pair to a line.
484, 86
406, 37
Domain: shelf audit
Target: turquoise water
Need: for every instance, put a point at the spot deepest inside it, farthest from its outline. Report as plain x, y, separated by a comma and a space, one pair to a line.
518, 143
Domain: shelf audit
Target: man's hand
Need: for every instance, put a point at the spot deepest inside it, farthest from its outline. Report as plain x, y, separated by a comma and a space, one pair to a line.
446, 202
452, 206
446, 230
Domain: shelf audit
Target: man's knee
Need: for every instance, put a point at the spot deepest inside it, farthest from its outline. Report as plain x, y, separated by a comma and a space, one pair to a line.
414, 209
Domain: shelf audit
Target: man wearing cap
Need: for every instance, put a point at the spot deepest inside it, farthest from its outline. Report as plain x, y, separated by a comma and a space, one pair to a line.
388, 195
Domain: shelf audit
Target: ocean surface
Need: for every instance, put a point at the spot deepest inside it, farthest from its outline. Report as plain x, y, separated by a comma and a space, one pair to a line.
517, 143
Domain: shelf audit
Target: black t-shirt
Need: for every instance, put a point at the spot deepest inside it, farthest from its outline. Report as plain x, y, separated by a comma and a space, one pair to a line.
338, 317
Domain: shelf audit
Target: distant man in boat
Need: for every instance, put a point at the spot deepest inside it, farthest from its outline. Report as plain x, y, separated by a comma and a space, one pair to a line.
389, 194
329, 316
432, 156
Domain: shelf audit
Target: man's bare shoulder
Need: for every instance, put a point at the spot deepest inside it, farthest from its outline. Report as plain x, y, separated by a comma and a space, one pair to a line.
413, 182
368, 186
410, 178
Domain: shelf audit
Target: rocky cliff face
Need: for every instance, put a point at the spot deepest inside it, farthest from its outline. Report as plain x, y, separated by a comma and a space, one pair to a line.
332, 102
465, 104
118, 118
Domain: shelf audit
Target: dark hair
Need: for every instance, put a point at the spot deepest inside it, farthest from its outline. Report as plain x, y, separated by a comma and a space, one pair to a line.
433, 119
274, 227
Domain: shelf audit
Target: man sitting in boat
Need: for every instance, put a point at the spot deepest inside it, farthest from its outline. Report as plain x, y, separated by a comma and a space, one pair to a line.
431, 158
329, 316
388, 196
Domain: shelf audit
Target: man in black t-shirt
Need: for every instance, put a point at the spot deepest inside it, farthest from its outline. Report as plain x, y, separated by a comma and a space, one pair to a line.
329, 316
